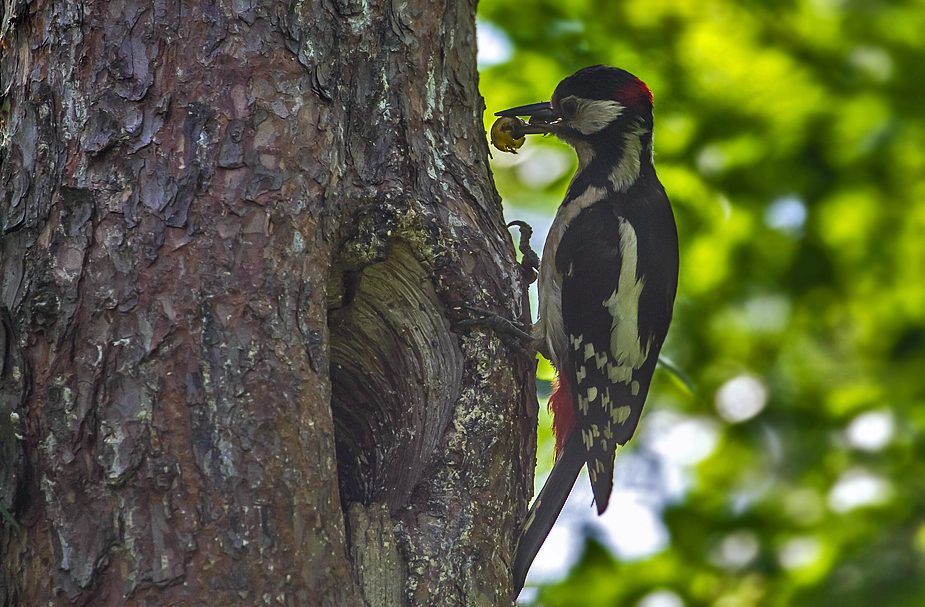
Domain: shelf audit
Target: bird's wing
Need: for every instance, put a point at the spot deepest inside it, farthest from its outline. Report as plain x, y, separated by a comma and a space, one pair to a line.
611, 356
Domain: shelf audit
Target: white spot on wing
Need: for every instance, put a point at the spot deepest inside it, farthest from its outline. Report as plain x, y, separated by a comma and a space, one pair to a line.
592, 394
589, 351
587, 439
618, 373
621, 414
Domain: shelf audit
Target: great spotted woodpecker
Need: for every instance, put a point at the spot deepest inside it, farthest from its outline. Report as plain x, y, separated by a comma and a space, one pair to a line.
607, 282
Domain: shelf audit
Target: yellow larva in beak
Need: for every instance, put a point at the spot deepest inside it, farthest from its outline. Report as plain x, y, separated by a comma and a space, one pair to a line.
502, 134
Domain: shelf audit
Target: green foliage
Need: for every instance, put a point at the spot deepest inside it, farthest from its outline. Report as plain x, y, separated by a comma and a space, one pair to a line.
765, 110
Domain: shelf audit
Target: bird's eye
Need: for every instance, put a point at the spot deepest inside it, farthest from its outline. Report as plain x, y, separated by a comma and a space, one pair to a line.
569, 107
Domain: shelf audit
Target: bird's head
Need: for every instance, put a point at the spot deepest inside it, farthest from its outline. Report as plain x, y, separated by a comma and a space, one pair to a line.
594, 102
604, 112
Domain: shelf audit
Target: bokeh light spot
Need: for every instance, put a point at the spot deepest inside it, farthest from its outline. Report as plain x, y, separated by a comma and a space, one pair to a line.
736, 550
799, 552
786, 214
857, 488
661, 598
493, 43
741, 398
681, 439
871, 431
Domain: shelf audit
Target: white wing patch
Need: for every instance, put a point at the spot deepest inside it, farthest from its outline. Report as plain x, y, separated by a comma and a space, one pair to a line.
625, 344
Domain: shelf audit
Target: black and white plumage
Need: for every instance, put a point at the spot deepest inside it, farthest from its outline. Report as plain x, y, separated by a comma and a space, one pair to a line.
607, 283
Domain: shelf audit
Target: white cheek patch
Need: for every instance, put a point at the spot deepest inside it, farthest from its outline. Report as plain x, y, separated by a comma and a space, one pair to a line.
593, 116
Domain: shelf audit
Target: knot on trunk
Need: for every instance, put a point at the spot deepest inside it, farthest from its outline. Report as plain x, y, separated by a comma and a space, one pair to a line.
396, 371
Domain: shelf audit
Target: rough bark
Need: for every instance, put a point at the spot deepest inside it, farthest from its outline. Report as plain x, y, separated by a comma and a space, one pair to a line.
235, 236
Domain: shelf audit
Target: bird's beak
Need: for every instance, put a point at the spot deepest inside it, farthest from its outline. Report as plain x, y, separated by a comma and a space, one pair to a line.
543, 119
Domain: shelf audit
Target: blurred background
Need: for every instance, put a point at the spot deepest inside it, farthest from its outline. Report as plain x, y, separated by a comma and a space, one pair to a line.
790, 136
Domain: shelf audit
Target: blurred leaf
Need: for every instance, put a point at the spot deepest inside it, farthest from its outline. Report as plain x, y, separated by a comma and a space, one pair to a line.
678, 373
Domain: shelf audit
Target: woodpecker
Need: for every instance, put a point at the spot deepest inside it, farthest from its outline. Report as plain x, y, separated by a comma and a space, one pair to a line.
607, 283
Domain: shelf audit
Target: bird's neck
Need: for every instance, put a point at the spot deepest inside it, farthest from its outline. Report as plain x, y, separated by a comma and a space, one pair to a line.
615, 164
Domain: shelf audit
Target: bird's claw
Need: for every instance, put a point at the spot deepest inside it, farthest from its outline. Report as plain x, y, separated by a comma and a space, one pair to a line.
510, 334
530, 261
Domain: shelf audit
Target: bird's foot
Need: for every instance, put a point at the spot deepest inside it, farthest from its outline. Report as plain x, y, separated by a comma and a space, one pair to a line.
510, 334
530, 261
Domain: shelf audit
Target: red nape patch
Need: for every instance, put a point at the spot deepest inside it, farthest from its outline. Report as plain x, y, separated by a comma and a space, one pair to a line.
634, 93
563, 411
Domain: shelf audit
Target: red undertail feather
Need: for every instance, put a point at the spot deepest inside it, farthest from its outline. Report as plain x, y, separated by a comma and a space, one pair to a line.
563, 411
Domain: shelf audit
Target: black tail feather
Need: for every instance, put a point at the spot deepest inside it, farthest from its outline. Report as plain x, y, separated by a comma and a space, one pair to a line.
546, 507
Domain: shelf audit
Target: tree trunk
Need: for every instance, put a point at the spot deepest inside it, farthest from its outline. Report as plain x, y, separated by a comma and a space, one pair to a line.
234, 239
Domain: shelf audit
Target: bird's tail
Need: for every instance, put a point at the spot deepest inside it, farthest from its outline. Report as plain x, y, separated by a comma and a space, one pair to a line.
546, 507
